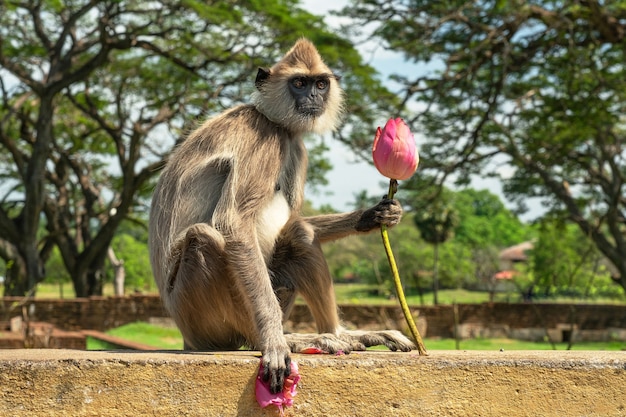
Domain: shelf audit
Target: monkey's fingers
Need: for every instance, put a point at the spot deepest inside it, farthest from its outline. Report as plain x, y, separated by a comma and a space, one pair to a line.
387, 212
276, 367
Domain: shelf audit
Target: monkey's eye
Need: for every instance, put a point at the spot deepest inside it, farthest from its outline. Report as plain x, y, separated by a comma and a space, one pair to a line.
298, 83
321, 84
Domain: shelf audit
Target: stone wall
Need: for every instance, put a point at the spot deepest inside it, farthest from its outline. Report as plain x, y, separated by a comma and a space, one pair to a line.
49, 383
97, 313
524, 321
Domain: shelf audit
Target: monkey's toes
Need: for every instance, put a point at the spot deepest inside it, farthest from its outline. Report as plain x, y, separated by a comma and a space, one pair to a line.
276, 366
326, 342
395, 341
392, 339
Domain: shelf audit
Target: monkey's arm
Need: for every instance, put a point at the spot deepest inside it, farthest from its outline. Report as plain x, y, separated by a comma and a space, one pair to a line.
330, 227
235, 218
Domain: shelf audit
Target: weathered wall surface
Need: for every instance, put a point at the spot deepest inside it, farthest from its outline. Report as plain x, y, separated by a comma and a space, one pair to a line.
97, 313
527, 321
74, 383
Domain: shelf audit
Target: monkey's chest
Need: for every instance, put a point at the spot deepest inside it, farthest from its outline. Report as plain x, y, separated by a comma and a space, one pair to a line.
270, 222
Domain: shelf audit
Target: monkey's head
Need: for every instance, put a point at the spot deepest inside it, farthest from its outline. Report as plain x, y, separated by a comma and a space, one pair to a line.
300, 93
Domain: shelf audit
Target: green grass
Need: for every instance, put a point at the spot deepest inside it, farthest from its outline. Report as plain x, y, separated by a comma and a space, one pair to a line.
148, 334
169, 338
363, 294
95, 344
45, 290
511, 344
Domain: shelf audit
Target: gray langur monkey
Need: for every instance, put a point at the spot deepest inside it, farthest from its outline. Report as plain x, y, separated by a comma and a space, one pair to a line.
228, 247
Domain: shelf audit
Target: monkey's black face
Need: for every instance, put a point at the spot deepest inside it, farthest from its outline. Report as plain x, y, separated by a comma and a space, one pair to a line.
309, 93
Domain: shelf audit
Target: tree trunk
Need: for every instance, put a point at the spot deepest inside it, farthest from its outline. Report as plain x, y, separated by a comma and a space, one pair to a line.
94, 282
436, 275
15, 274
416, 276
119, 270
15, 278
34, 192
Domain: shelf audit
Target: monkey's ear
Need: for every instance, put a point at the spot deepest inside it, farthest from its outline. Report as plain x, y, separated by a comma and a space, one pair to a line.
261, 77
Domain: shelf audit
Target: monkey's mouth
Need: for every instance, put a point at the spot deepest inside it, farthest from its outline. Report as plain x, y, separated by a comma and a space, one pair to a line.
310, 111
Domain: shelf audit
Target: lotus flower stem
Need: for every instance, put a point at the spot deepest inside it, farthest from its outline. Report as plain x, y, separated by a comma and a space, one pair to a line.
393, 187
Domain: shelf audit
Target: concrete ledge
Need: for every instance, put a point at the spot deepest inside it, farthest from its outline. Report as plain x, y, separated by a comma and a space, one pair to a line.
445, 383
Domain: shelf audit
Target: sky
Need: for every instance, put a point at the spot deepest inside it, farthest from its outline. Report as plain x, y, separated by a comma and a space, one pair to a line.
349, 175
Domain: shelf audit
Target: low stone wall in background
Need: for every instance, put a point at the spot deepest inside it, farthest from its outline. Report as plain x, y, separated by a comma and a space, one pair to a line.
559, 322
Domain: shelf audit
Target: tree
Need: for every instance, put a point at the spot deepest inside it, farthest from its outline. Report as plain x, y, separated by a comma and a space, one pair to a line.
565, 262
536, 85
92, 95
484, 221
436, 225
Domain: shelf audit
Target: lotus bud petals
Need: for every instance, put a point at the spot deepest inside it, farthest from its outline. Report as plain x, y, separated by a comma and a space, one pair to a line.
394, 152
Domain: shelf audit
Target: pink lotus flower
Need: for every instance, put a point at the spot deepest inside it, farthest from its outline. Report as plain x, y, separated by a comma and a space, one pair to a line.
394, 152
285, 398
396, 157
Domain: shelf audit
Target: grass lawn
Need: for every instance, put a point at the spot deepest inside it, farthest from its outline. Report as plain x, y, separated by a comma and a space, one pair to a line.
148, 334
364, 294
511, 344
170, 338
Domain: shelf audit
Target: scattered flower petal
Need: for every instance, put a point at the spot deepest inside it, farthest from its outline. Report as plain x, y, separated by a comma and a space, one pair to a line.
285, 398
312, 351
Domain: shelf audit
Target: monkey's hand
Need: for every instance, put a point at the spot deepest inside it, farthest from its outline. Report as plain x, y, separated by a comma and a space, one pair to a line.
387, 212
276, 367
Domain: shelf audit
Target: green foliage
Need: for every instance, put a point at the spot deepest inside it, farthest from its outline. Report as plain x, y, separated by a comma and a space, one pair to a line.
484, 221
319, 166
56, 273
536, 87
363, 259
436, 225
564, 262
134, 253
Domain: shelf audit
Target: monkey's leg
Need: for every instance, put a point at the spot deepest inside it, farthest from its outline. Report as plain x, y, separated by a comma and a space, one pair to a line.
300, 262
200, 295
298, 266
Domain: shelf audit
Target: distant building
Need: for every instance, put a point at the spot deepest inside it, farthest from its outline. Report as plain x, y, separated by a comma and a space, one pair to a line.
515, 254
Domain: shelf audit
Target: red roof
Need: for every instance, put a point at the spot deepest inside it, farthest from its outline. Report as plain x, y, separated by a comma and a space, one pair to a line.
505, 274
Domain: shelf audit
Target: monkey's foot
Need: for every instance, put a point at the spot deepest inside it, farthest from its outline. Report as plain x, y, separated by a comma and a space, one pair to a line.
326, 342
349, 340
276, 366
393, 339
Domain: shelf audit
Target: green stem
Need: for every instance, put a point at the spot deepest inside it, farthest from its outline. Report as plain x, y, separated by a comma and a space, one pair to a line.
393, 187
